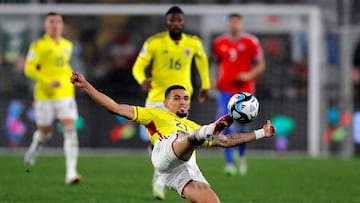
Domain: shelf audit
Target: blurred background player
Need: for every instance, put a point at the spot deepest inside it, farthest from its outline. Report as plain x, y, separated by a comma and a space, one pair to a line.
175, 137
238, 60
169, 56
47, 63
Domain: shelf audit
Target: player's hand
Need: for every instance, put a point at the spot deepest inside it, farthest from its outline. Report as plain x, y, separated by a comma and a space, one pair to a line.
79, 80
146, 84
55, 84
269, 129
203, 95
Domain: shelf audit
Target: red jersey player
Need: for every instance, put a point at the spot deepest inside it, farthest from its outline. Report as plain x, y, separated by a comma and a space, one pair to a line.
238, 59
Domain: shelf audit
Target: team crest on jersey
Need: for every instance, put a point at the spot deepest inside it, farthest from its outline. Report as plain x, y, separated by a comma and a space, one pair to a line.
187, 52
241, 47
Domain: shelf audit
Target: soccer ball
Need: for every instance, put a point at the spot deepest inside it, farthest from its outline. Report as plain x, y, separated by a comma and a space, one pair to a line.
243, 107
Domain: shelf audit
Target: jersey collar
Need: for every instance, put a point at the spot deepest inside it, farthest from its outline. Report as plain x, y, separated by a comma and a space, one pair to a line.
176, 41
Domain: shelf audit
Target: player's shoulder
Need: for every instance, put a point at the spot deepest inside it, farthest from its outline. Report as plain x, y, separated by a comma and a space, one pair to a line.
67, 42
156, 37
192, 37
37, 43
250, 37
221, 38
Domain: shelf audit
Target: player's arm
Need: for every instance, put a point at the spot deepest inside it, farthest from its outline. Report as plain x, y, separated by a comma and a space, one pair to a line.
104, 101
258, 66
202, 65
142, 61
236, 139
32, 64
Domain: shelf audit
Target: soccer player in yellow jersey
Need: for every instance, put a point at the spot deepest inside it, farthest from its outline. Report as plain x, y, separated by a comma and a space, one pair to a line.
47, 63
169, 56
175, 137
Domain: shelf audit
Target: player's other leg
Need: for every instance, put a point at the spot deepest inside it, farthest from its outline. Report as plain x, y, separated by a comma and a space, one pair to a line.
67, 114
44, 117
71, 151
242, 160
40, 136
243, 168
223, 99
158, 184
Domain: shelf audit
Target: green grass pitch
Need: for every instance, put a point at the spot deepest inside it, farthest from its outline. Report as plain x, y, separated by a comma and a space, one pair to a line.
127, 178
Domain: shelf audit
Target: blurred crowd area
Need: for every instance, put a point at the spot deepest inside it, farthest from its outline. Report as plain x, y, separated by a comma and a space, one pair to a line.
105, 47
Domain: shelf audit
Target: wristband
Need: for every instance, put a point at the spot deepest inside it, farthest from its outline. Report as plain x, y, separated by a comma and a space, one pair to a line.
259, 133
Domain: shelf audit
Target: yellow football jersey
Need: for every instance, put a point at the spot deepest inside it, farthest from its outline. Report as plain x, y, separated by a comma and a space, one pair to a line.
162, 123
48, 61
170, 62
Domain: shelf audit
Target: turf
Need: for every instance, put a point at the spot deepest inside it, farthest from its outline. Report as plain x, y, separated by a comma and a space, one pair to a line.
128, 179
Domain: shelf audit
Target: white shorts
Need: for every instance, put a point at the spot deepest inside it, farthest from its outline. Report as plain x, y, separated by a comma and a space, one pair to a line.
177, 173
46, 111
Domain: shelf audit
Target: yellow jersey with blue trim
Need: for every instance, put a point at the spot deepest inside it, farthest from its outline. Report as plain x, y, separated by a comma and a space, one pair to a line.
161, 123
48, 61
170, 63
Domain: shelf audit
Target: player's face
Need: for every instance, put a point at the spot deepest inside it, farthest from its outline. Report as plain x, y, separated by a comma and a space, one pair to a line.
178, 102
54, 25
235, 25
175, 23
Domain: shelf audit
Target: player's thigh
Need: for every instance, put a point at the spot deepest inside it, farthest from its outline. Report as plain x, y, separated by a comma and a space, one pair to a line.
163, 157
66, 110
44, 113
196, 191
178, 178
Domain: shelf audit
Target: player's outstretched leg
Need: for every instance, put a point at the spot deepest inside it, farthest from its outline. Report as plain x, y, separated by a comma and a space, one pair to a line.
35, 147
158, 184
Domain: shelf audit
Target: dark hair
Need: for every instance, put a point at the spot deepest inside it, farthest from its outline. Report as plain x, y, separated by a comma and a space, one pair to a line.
174, 9
173, 87
52, 14
234, 15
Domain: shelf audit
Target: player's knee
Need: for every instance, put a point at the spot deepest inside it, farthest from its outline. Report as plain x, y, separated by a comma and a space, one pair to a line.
198, 192
44, 133
70, 132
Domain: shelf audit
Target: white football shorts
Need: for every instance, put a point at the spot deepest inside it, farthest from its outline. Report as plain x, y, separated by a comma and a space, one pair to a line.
46, 111
177, 173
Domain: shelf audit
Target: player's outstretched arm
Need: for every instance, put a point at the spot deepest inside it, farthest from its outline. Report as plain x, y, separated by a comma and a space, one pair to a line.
106, 102
236, 139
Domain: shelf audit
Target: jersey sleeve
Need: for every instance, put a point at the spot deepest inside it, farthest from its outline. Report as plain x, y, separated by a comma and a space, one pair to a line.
142, 61
32, 64
257, 50
202, 64
142, 115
